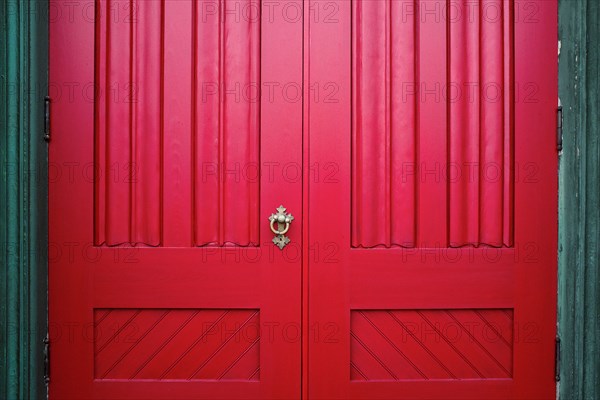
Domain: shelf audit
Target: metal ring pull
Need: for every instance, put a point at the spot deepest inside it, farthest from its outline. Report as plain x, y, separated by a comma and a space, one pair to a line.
283, 232
283, 220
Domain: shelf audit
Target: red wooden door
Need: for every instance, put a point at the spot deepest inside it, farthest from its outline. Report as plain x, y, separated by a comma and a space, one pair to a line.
418, 135
164, 282
442, 213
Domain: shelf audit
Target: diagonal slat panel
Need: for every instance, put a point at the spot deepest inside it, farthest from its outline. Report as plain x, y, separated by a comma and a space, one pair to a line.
431, 344
176, 344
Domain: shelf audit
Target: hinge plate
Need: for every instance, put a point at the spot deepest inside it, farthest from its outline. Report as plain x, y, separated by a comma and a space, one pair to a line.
47, 118
557, 359
559, 128
47, 359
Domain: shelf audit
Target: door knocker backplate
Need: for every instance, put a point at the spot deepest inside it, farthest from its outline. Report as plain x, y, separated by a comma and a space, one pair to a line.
283, 220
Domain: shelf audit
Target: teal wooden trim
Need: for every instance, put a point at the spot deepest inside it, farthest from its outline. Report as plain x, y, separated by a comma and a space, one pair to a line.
579, 200
23, 197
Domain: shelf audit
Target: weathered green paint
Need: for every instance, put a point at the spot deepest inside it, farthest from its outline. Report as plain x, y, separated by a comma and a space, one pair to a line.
23, 197
579, 200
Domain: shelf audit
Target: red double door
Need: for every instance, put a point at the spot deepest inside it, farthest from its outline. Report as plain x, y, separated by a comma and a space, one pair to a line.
412, 141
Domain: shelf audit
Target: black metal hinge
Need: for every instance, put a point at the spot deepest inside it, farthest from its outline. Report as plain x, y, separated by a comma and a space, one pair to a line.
47, 118
557, 359
47, 359
559, 128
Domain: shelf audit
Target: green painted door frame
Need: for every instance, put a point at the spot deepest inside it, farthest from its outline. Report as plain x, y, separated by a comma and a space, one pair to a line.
579, 200
23, 198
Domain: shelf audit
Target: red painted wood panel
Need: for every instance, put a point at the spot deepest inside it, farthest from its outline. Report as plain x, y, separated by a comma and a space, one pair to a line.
176, 344
459, 179
399, 255
146, 126
384, 129
431, 344
227, 82
177, 124
158, 118
396, 312
481, 195
163, 242
128, 129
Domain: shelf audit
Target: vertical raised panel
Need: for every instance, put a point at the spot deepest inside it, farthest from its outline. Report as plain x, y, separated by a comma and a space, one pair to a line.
101, 100
370, 131
432, 124
432, 127
118, 127
492, 123
464, 130
509, 123
403, 109
227, 88
146, 129
240, 134
383, 200
206, 125
177, 117
128, 129
177, 123
481, 127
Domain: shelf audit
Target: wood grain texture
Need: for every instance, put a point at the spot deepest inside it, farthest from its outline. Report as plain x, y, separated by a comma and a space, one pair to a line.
23, 198
579, 200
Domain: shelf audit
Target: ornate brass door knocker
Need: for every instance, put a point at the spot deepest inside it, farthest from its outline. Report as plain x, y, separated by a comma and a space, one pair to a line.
283, 220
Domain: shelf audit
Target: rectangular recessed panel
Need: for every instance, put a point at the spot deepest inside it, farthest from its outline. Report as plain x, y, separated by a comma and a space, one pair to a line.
446, 183
182, 344
431, 344
176, 124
